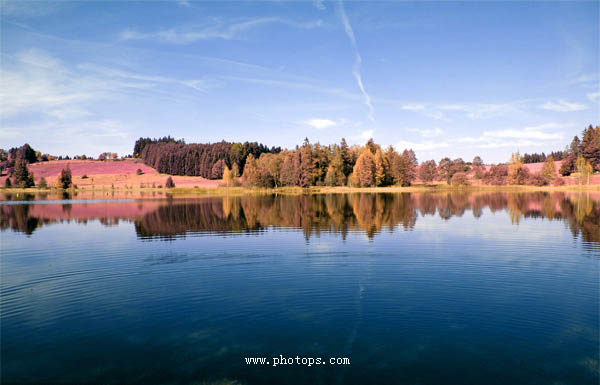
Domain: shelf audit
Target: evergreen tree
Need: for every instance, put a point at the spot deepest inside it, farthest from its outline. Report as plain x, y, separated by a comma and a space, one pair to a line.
346, 158
590, 146
169, 183
65, 179
22, 177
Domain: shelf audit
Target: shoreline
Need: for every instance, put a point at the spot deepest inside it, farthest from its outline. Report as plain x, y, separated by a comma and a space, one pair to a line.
220, 191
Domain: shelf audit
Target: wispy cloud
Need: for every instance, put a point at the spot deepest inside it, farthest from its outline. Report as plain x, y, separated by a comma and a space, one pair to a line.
413, 107
218, 30
320, 124
357, 61
562, 106
292, 84
594, 96
38, 82
533, 136
319, 4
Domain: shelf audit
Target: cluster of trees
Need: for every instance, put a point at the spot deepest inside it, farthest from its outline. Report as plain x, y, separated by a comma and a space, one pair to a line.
107, 156
208, 160
540, 158
334, 165
583, 156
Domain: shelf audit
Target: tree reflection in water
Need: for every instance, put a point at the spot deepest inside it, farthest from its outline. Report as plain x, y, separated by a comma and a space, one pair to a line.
337, 213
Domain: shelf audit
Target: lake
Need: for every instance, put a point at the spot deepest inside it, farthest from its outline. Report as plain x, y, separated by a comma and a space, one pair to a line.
428, 288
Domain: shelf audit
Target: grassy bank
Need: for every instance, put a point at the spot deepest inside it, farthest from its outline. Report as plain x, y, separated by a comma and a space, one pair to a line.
190, 191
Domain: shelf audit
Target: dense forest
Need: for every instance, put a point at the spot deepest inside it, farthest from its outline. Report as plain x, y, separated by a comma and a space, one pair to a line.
175, 157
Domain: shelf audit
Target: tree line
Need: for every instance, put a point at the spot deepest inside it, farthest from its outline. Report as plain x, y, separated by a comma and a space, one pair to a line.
175, 157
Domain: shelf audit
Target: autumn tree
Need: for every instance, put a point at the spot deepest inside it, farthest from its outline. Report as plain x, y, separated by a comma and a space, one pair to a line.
289, 174
271, 164
459, 179
381, 168
304, 164
515, 165
251, 175
447, 168
22, 177
549, 170
335, 171
363, 174
428, 171
478, 167
227, 177
584, 169
404, 169
65, 179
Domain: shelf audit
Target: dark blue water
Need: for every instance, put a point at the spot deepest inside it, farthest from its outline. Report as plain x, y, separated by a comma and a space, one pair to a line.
411, 289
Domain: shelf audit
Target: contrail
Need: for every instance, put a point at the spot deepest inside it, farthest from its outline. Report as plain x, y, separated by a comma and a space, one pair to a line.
357, 61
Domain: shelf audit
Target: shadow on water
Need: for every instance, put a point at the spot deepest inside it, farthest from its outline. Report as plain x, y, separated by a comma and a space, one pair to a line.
313, 214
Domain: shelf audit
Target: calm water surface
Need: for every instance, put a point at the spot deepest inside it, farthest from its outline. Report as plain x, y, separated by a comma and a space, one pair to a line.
457, 288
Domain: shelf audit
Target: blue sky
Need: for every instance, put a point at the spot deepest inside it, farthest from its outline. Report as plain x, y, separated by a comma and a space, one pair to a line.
444, 78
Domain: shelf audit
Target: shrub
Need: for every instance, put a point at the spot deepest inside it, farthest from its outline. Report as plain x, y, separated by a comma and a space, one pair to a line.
84, 176
459, 179
537, 179
42, 183
558, 181
169, 183
139, 171
497, 175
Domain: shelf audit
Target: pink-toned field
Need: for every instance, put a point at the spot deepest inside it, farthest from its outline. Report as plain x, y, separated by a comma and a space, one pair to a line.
105, 174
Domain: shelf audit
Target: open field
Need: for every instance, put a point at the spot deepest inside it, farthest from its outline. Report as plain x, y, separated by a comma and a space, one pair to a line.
108, 174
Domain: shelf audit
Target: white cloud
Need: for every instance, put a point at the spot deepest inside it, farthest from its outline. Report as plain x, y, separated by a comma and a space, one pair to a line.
219, 31
562, 106
320, 124
427, 132
365, 135
532, 136
357, 61
594, 96
319, 4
